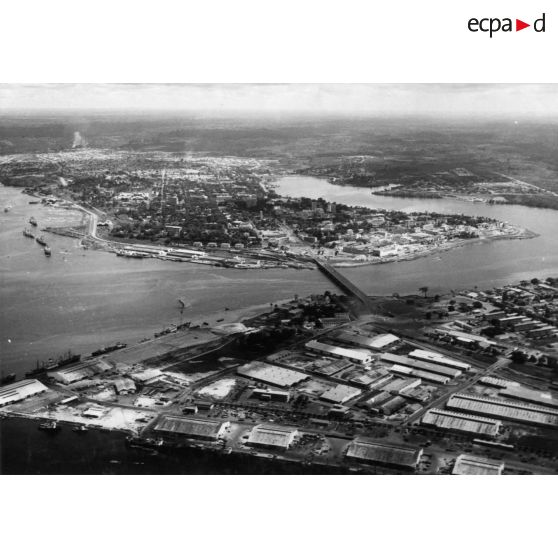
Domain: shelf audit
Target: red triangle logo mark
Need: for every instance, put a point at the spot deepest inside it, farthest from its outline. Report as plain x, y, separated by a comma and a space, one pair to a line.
519, 25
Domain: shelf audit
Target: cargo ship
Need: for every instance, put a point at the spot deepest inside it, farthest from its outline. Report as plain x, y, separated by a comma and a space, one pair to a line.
28, 233
41, 240
33, 221
50, 364
109, 349
7, 379
130, 254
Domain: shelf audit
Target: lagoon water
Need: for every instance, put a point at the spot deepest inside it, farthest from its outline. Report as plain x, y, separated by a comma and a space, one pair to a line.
80, 300
482, 264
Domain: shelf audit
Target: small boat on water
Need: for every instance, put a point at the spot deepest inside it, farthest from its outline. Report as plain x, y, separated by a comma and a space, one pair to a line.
80, 428
49, 425
33, 221
8, 379
41, 240
28, 233
47, 250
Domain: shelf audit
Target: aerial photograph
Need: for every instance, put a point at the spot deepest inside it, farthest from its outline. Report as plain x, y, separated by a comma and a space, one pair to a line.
278, 279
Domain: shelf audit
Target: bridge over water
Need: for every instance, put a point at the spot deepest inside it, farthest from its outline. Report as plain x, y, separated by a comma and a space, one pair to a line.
343, 283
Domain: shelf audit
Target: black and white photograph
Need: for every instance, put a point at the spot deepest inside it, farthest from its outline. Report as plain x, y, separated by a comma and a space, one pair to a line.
279, 279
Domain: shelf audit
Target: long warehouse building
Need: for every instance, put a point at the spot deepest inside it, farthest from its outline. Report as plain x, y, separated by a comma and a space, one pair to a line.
437, 358
446, 420
420, 365
509, 410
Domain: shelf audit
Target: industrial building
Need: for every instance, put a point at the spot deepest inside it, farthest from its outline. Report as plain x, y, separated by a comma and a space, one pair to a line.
273, 436
530, 395
124, 386
271, 374
68, 376
497, 382
340, 394
272, 395
508, 410
421, 365
399, 386
460, 422
428, 376
466, 338
393, 405
196, 428
354, 355
377, 343
369, 451
437, 358
20, 391
473, 465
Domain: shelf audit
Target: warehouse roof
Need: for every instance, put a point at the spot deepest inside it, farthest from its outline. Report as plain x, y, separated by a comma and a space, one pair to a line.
340, 393
421, 365
359, 355
190, 427
473, 465
146, 375
429, 376
460, 421
272, 435
385, 454
510, 410
20, 390
437, 358
530, 395
271, 374
377, 342
68, 376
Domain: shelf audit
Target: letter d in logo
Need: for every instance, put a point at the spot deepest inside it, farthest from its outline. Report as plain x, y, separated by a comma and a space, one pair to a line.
539, 25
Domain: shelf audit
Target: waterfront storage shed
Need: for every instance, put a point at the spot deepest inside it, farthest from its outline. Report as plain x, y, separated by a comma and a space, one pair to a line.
20, 391
391, 455
196, 428
472, 465
273, 436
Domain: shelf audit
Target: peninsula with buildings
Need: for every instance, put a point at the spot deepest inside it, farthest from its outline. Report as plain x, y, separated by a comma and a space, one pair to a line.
226, 211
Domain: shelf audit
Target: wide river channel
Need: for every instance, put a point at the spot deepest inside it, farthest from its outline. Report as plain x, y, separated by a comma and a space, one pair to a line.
83, 299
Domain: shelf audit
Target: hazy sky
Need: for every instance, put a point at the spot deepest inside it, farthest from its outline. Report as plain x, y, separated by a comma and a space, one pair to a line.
510, 100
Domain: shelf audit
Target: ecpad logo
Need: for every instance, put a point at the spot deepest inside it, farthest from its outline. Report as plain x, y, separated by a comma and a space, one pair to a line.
494, 24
